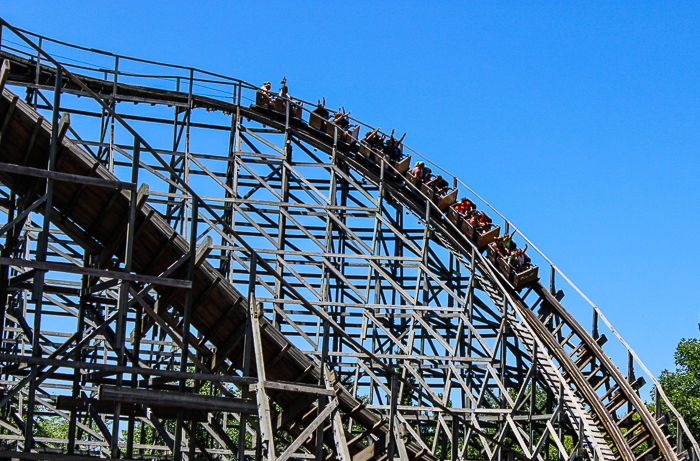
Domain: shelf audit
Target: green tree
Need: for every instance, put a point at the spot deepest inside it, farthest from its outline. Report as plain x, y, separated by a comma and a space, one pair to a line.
682, 385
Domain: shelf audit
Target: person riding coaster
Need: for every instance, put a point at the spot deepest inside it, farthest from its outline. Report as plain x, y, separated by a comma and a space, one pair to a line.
464, 206
417, 173
392, 147
439, 185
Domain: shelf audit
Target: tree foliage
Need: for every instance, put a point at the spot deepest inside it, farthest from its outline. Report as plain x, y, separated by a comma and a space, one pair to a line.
682, 385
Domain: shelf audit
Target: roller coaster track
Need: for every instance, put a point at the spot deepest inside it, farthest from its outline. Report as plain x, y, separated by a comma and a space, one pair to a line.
347, 317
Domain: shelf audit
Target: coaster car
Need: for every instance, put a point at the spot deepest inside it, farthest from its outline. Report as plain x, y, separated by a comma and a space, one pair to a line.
280, 105
411, 179
262, 99
484, 238
316, 121
517, 279
527, 276
448, 199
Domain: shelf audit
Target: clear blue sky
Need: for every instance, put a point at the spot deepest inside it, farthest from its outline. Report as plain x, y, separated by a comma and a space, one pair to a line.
577, 120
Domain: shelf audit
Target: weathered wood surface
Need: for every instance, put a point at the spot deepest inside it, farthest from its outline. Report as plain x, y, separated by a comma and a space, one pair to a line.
96, 219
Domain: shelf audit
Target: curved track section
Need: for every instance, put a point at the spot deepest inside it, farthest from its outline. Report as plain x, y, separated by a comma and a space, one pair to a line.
201, 277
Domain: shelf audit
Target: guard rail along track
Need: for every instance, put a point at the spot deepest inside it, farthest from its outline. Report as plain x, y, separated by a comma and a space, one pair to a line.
349, 316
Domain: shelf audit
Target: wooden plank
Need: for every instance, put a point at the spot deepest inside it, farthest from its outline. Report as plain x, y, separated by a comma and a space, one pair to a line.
63, 125
372, 451
264, 415
341, 443
73, 269
293, 387
207, 403
227, 346
32, 140
171, 375
4, 72
8, 116
68, 403
58, 176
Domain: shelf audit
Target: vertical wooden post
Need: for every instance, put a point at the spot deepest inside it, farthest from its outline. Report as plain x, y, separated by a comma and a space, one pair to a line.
247, 347
37, 73
533, 395
41, 248
594, 328
321, 398
552, 285
123, 304
4, 73
266, 435
84, 284
186, 319
111, 121
392, 415
657, 403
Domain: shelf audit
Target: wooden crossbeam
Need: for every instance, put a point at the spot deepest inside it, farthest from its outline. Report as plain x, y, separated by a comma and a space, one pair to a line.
58, 176
209, 403
73, 269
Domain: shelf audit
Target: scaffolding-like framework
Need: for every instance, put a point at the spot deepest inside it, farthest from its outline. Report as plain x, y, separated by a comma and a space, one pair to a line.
187, 274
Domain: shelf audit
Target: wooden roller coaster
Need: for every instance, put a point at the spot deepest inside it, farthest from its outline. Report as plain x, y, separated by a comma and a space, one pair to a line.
257, 282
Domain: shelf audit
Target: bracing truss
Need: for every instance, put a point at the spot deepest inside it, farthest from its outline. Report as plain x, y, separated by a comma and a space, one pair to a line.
190, 276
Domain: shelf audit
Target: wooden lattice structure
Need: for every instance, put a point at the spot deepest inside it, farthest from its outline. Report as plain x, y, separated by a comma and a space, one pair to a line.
200, 277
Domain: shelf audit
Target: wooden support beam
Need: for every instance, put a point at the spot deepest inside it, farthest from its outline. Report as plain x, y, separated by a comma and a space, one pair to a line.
215, 327
308, 430
169, 374
341, 443
32, 140
264, 415
227, 347
58, 176
63, 125
293, 387
8, 116
372, 451
68, 403
73, 269
292, 411
278, 357
120, 229
176, 399
4, 72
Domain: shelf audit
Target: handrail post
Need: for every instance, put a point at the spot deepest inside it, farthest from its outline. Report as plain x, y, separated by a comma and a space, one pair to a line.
594, 328
552, 274
37, 73
679, 436
111, 122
